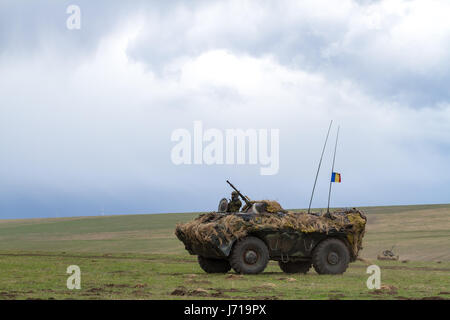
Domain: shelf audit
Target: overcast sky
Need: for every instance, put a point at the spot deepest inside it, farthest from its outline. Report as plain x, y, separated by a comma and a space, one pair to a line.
86, 116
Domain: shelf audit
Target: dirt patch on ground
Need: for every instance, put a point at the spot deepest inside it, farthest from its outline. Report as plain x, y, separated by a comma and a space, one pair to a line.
192, 278
265, 286
380, 257
220, 293
424, 298
200, 292
291, 279
288, 279
7, 295
194, 281
260, 298
117, 285
171, 273
141, 293
385, 289
224, 290
234, 277
180, 291
119, 272
336, 296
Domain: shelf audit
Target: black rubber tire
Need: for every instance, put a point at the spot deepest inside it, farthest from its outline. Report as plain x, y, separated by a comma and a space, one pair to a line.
214, 265
324, 254
295, 266
249, 248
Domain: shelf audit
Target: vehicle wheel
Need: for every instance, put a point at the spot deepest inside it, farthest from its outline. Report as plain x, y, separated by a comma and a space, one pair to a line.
249, 256
331, 256
295, 266
214, 265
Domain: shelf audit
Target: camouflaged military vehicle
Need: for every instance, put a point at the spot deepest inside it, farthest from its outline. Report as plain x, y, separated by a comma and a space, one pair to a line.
263, 231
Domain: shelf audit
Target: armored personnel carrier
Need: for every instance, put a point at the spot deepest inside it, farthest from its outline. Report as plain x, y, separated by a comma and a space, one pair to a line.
263, 231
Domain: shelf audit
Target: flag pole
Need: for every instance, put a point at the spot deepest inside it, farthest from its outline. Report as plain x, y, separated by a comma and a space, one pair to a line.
332, 170
318, 169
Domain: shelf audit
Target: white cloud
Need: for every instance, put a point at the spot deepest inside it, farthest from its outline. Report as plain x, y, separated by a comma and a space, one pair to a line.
397, 50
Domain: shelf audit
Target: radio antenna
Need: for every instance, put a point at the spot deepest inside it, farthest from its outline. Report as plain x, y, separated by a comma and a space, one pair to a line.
332, 170
318, 169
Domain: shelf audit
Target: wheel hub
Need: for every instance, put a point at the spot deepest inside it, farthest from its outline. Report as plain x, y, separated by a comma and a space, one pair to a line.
250, 257
333, 258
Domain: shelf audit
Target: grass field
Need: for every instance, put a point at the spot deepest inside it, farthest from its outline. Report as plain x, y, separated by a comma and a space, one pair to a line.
138, 257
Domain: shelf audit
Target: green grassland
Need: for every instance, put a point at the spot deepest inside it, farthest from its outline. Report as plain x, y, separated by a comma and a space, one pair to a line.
139, 257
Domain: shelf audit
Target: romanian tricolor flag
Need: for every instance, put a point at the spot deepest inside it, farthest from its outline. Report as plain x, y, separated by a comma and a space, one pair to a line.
335, 177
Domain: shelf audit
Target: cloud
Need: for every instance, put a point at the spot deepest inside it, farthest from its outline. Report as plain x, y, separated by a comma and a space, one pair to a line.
82, 132
397, 50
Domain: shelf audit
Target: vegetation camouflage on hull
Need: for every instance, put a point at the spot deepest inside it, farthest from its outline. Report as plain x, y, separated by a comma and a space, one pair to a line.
220, 229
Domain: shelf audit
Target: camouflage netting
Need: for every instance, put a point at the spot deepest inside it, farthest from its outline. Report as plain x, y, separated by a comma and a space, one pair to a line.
227, 227
269, 206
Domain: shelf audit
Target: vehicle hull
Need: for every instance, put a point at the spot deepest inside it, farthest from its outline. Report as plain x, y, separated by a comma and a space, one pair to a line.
284, 243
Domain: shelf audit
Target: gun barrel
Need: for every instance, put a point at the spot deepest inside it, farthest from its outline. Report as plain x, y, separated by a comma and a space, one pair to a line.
239, 193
